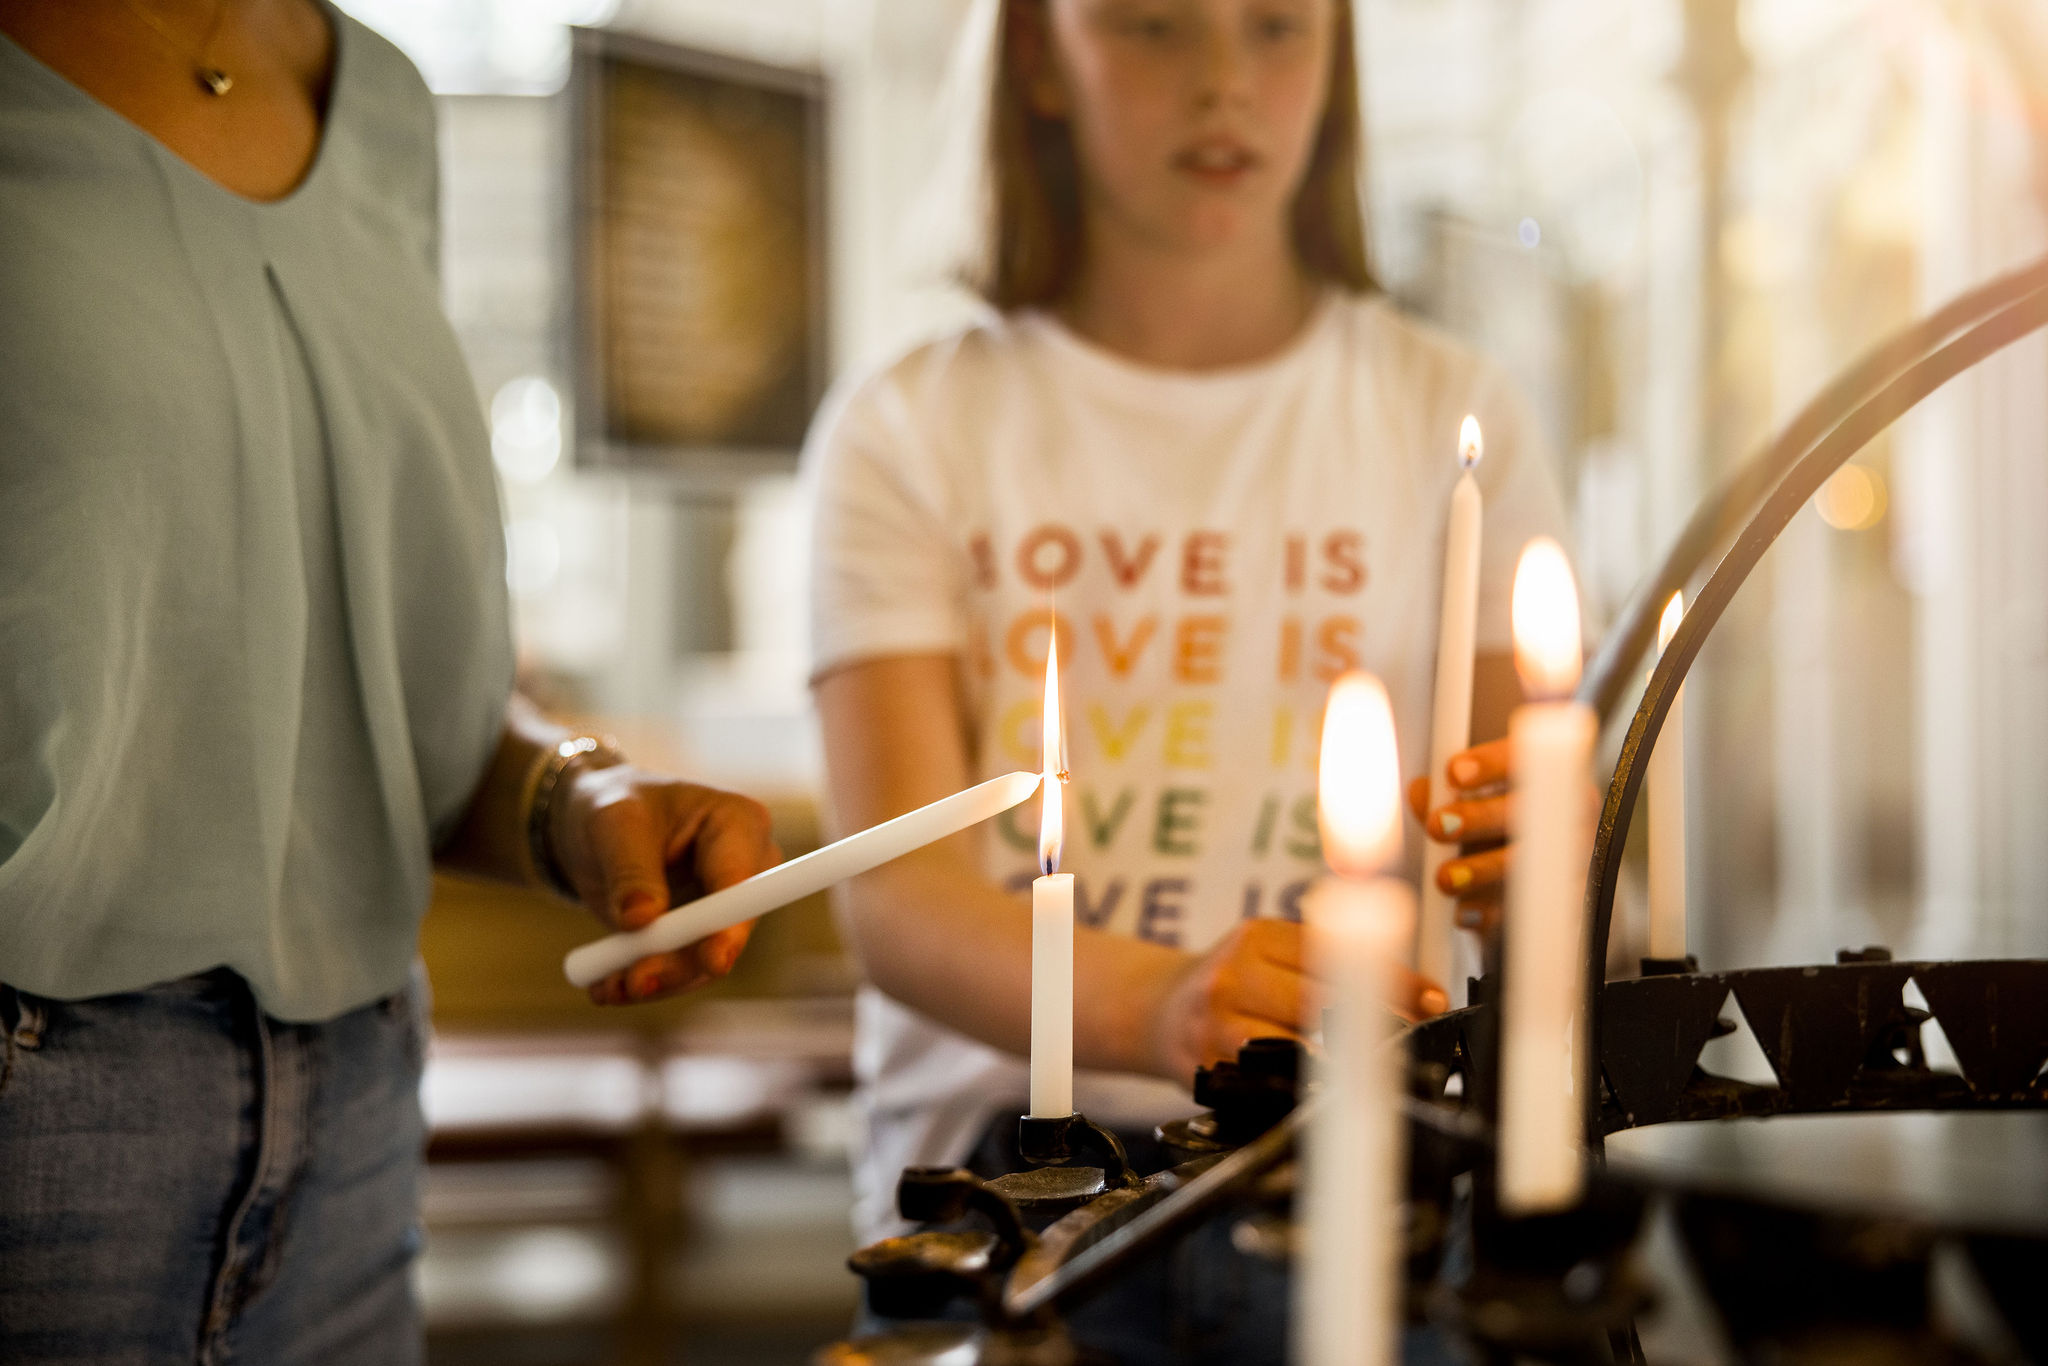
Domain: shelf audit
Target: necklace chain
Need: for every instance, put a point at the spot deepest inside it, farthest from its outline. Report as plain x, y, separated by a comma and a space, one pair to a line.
211, 78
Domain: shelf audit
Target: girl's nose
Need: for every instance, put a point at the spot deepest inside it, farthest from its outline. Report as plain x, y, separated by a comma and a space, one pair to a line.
1224, 64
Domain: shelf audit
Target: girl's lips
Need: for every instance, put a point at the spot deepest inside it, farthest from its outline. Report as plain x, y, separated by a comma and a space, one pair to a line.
1217, 162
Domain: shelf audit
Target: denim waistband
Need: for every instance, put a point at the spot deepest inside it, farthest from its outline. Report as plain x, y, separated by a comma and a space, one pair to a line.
213, 984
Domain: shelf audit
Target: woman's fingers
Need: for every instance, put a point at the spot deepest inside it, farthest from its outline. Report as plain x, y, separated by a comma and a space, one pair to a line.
1474, 874
665, 974
650, 842
624, 881
722, 837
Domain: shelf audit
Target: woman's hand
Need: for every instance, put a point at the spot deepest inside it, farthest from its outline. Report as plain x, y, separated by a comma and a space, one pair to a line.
1476, 814
1255, 984
634, 844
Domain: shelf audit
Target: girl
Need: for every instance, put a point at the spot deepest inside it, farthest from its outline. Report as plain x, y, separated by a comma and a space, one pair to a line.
1189, 420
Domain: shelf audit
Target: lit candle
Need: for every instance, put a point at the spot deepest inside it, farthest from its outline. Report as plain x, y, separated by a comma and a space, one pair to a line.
1542, 1128
798, 878
1667, 812
1450, 730
1052, 926
1359, 925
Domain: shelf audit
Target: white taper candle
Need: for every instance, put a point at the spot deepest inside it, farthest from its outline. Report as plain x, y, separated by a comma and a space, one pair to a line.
1542, 1126
799, 878
1667, 813
1348, 1311
1052, 923
1052, 996
1450, 729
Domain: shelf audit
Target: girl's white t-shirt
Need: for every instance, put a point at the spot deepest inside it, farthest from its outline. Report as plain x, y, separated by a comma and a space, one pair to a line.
1215, 548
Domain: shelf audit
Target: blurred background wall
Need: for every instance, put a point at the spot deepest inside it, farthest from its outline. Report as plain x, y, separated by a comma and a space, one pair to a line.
1673, 219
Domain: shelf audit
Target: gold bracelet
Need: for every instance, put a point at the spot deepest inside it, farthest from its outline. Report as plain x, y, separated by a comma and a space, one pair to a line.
545, 866
529, 784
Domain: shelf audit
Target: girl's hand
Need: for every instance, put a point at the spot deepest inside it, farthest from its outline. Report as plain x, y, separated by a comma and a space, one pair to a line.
634, 844
1256, 984
1476, 814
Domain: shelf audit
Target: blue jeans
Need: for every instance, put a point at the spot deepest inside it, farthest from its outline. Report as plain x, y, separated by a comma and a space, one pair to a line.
184, 1179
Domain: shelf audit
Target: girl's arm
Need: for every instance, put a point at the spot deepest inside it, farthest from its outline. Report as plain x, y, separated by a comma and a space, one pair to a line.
932, 931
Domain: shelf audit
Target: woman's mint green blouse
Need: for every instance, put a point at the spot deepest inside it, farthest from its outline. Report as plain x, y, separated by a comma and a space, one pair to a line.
254, 650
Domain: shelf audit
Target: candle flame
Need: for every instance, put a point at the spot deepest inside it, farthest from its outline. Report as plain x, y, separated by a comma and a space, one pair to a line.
1471, 443
1667, 625
1358, 784
1546, 621
1052, 825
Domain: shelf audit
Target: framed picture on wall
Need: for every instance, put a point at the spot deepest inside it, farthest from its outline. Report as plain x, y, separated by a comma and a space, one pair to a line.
698, 242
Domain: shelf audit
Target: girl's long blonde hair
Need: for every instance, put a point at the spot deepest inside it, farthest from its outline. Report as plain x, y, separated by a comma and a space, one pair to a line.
1010, 185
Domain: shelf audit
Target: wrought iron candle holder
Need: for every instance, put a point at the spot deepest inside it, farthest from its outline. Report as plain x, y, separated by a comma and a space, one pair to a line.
1813, 1212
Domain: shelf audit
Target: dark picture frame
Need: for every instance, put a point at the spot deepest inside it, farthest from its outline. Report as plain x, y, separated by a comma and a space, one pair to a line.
697, 237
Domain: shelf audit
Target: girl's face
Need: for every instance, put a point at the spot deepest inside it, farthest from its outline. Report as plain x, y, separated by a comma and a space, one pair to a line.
1193, 119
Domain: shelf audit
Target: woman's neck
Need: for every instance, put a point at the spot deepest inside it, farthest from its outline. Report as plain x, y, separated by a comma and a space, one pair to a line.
1185, 310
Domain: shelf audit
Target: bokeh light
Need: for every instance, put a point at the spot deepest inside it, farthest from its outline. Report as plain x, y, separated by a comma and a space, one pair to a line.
1853, 499
526, 430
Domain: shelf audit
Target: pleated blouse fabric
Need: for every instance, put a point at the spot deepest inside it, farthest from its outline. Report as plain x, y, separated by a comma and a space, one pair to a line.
254, 637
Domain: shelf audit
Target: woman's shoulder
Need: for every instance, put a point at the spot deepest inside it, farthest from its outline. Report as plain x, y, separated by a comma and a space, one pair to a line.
380, 105
376, 63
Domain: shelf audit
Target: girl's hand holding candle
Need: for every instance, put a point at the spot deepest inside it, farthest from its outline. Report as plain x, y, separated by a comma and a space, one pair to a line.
1542, 1119
1359, 925
1474, 815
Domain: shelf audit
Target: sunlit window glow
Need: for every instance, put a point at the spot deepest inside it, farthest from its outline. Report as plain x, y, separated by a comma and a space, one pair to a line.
485, 47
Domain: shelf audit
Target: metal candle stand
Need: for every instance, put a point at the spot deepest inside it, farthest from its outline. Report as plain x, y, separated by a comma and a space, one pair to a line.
1802, 1265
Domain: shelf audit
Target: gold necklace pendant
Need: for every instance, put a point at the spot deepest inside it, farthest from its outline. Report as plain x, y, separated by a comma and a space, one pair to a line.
211, 79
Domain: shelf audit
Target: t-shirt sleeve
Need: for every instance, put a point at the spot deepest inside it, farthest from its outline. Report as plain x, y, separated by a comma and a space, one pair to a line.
1522, 497
886, 579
